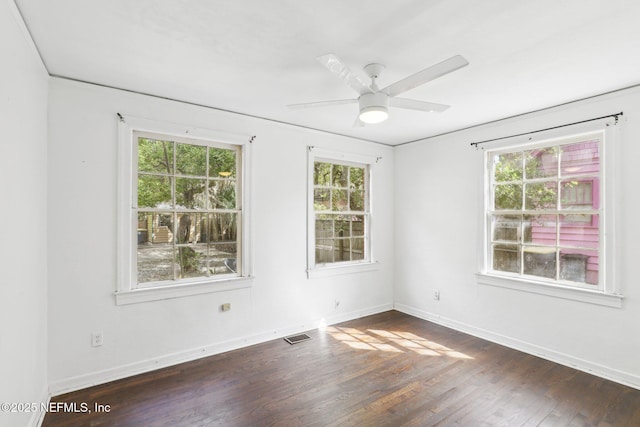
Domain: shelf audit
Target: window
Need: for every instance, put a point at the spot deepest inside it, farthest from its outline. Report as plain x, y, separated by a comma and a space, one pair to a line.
188, 209
340, 216
183, 222
544, 212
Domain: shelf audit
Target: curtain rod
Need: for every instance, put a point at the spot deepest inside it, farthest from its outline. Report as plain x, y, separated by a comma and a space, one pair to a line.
616, 115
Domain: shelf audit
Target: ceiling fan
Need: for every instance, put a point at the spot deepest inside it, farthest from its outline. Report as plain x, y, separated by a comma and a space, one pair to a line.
374, 102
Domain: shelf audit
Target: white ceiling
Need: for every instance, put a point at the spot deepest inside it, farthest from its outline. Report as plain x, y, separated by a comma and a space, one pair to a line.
254, 56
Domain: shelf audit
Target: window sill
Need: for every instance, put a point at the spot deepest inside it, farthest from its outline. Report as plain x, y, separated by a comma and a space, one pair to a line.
335, 270
576, 294
158, 293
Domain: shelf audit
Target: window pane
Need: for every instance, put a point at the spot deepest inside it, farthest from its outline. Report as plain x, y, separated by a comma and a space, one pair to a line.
155, 156
321, 199
222, 194
506, 227
155, 247
342, 226
324, 226
357, 249
507, 167
540, 261
540, 229
200, 227
324, 250
579, 231
541, 163
508, 196
356, 200
189, 228
356, 178
506, 258
342, 249
222, 163
580, 158
322, 173
579, 266
159, 227
194, 231
154, 191
339, 200
340, 176
357, 225
191, 159
155, 262
191, 261
222, 227
223, 258
541, 195
579, 194
190, 193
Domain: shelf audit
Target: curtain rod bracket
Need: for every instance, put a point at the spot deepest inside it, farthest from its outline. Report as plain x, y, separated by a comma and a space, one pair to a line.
617, 116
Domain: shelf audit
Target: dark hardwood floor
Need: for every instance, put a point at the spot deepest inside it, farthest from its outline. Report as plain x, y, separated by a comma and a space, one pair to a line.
388, 369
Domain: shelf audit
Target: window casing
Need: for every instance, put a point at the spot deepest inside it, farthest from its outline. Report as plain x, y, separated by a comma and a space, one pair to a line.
183, 217
544, 212
339, 228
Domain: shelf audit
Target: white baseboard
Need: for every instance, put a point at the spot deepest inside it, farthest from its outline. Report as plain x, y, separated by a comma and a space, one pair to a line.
596, 369
344, 317
37, 417
100, 377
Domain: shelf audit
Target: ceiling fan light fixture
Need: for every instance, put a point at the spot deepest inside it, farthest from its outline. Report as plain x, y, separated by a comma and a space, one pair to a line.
374, 114
373, 107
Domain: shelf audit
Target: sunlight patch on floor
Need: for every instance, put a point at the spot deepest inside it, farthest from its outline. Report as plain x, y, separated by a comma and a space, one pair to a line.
391, 341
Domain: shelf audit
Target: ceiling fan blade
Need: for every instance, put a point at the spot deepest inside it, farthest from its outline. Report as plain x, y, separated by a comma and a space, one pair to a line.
413, 104
322, 104
426, 75
339, 68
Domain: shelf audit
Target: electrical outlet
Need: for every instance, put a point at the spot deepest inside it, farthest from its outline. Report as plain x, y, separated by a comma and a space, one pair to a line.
436, 295
97, 339
225, 307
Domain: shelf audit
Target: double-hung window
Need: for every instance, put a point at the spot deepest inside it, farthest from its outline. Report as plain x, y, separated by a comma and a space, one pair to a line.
339, 211
545, 213
182, 219
187, 210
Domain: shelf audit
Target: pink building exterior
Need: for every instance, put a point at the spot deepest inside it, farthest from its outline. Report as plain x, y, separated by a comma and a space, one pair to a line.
580, 190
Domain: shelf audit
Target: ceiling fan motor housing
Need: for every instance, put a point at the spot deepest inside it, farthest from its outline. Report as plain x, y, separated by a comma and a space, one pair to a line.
374, 107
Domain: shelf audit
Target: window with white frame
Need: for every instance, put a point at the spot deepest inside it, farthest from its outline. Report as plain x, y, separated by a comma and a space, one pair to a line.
544, 215
182, 220
188, 211
340, 215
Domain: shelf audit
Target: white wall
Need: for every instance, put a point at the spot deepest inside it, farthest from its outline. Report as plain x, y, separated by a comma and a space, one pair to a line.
23, 258
438, 224
82, 244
